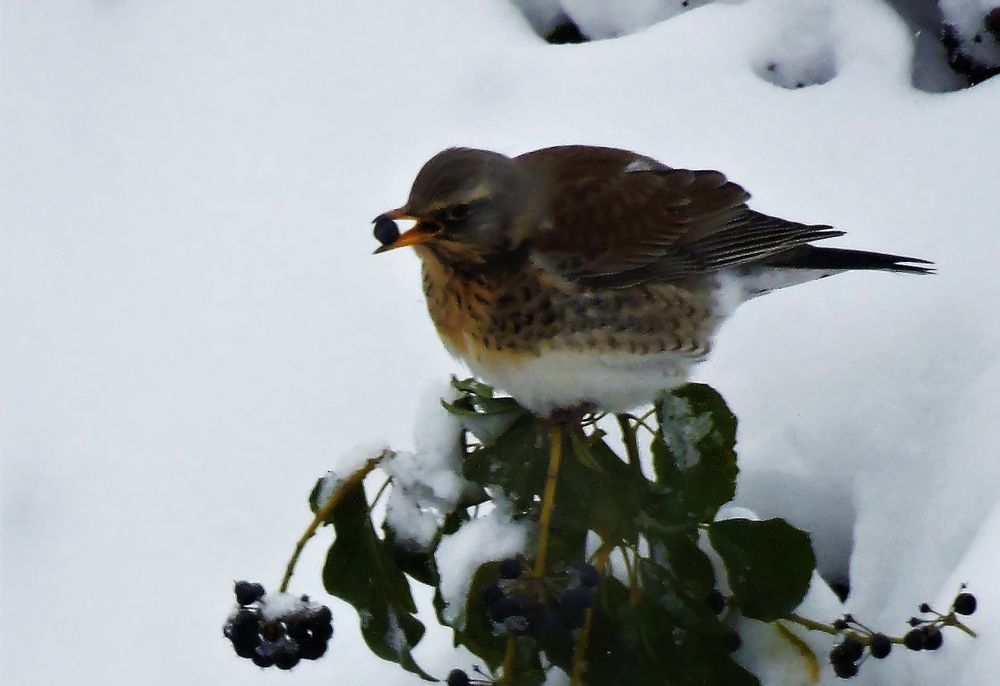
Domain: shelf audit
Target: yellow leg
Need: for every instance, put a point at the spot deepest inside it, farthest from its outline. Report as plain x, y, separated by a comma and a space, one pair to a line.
548, 497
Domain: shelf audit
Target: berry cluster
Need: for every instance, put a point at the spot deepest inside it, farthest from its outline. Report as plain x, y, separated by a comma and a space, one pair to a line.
925, 634
526, 604
277, 629
846, 656
458, 677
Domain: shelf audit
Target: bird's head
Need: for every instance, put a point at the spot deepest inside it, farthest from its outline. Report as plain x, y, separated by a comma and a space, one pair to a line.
467, 203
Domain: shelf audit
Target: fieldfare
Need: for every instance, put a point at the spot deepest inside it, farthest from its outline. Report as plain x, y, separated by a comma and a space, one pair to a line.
587, 276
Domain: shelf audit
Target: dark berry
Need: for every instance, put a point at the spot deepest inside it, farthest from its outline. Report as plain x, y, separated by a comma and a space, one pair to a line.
924, 607
286, 653
853, 648
577, 598
491, 595
880, 646
845, 670
850, 650
716, 602
914, 639
517, 625
386, 231
732, 641
245, 650
510, 568
932, 638
322, 615
312, 647
457, 677
242, 631
247, 592
503, 608
546, 623
297, 626
589, 576
244, 621
322, 631
839, 624
838, 656
965, 604
320, 623
264, 655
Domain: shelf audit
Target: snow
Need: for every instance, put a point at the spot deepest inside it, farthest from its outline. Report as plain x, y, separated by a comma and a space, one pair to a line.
426, 485
347, 463
493, 536
193, 323
276, 605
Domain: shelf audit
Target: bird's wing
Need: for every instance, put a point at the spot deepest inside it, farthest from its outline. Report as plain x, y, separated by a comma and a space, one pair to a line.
618, 219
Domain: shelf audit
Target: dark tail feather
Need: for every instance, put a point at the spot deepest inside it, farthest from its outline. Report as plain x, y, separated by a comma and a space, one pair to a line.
811, 257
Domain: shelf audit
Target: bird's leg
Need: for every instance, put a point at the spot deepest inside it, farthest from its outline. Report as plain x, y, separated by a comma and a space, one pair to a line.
571, 416
548, 496
559, 421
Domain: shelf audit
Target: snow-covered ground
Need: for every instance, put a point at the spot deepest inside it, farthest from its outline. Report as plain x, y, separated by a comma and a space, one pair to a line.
194, 328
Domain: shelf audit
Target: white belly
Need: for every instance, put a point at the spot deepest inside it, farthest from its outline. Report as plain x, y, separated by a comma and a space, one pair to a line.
557, 379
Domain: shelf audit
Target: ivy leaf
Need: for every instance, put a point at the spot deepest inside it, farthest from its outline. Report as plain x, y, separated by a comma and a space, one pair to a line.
515, 462
769, 564
360, 570
477, 633
472, 386
695, 451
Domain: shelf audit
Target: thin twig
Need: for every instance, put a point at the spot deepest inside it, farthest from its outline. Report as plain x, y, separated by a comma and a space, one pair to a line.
583, 636
348, 485
508, 662
630, 441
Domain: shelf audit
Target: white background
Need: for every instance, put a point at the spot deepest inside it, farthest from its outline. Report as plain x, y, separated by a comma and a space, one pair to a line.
193, 327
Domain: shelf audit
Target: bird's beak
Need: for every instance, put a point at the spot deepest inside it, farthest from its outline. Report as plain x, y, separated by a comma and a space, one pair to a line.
421, 232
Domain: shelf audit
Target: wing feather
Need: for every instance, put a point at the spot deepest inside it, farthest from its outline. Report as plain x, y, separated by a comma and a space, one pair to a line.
620, 219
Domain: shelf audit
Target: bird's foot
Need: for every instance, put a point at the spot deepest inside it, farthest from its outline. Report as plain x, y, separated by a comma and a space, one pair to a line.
571, 416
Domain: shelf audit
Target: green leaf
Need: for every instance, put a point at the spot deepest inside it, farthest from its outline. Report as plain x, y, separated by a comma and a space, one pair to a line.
769, 564
677, 561
360, 570
515, 462
478, 633
472, 386
695, 454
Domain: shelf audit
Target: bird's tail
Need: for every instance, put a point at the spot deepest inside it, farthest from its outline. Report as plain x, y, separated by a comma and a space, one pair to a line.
838, 259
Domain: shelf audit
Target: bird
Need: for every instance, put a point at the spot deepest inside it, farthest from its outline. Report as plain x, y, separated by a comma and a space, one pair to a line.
593, 277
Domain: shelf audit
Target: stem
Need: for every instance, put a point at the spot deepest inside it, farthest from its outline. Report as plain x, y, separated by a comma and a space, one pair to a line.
583, 637
580, 650
952, 620
631, 444
548, 498
810, 624
348, 485
508, 662
380, 491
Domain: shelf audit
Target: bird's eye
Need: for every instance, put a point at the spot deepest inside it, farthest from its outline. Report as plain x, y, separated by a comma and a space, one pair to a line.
457, 213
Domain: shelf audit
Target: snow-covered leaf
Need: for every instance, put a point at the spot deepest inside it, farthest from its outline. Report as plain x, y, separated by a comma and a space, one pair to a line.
769, 564
694, 454
360, 570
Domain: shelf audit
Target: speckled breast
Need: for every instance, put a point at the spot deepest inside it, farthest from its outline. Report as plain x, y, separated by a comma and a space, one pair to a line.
520, 310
